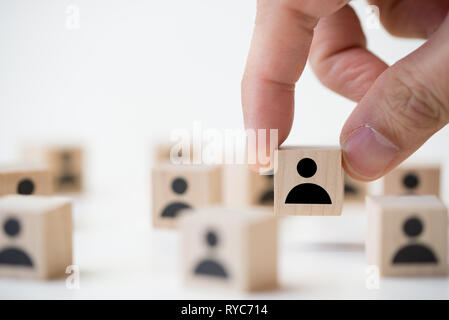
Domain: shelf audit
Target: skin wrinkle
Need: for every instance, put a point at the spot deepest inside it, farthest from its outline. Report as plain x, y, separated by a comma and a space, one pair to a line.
304, 21
284, 86
414, 105
398, 125
323, 53
344, 66
354, 80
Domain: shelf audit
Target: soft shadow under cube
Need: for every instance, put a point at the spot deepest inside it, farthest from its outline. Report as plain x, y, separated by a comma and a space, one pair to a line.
407, 235
229, 249
25, 180
179, 187
413, 179
35, 236
308, 181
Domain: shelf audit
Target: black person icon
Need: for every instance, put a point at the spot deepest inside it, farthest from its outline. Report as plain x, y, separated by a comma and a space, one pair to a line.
410, 181
209, 267
11, 255
67, 177
307, 193
25, 187
414, 253
178, 186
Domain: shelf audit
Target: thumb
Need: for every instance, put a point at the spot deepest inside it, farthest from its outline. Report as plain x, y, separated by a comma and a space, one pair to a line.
406, 105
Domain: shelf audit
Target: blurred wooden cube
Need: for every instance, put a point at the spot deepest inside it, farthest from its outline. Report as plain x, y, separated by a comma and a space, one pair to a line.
407, 235
35, 236
230, 248
261, 189
355, 191
244, 187
179, 187
308, 181
65, 162
25, 180
420, 179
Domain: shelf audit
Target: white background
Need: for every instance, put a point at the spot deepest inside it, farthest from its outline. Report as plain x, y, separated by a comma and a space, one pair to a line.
133, 72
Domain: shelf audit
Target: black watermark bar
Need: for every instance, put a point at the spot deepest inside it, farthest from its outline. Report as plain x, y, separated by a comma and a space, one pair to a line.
224, 309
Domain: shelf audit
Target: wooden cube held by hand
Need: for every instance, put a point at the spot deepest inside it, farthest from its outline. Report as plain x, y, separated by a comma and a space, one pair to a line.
308, 181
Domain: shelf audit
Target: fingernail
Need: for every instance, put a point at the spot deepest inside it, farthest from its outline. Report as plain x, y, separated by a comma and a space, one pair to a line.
368, 153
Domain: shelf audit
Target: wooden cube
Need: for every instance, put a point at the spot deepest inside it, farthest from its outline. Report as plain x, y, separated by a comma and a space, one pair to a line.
35, 236
229, 248
407, 235
179, 187
65, 162
355, 191
308, 181
261, 189
25, 180
413, 179
244, 187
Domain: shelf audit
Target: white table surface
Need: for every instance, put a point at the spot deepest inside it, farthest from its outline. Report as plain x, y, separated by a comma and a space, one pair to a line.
120, 256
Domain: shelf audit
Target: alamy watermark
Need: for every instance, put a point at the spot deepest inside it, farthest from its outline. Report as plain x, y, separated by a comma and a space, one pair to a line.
369, 14
73, 17
72, 282
229, 146
372, 17
372, 280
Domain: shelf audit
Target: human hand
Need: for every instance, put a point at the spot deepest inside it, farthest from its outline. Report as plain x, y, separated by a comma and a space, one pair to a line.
399, 107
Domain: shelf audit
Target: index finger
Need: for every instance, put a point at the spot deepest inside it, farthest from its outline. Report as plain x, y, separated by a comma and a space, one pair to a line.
279, 49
